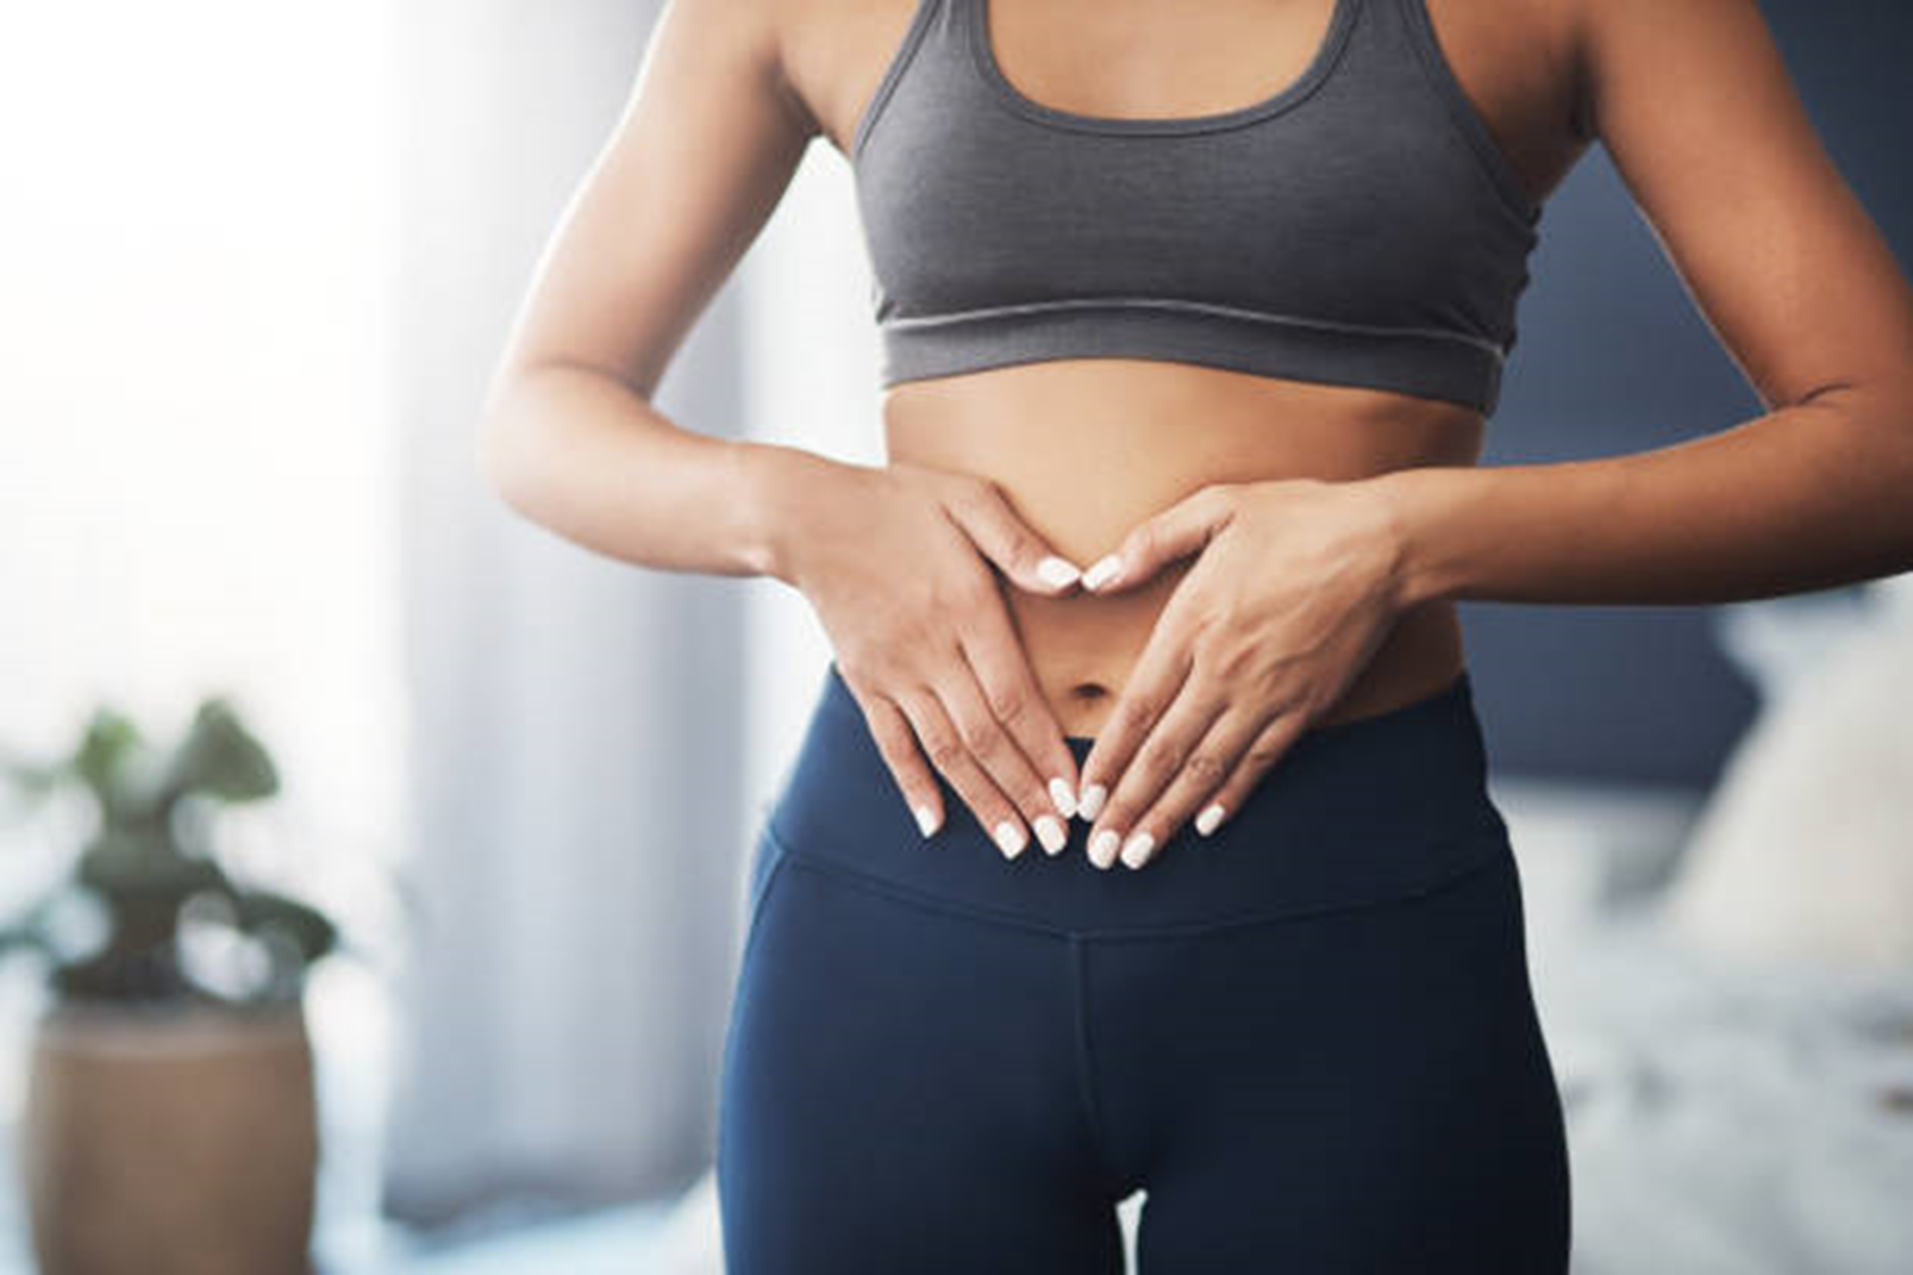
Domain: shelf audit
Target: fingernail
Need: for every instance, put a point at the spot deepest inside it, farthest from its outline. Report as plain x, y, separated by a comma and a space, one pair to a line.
1102, 850
1059, 792
1056, 571
1136, 849
1010, 838
1092, 803
1103, 572
926, 819
1050, 832
1206, 821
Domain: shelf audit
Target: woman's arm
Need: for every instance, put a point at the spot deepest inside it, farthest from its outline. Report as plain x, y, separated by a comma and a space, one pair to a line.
1695, 107
708, 141
589, 458
1296, 582
894, 560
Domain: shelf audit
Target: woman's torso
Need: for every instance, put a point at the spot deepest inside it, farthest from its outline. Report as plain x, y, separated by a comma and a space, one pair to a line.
1086, 448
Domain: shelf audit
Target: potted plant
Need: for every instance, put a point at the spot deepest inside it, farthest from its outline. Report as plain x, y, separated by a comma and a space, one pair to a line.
170, 1121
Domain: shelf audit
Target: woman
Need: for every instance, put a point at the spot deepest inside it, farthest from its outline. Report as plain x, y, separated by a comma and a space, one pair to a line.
1192, 318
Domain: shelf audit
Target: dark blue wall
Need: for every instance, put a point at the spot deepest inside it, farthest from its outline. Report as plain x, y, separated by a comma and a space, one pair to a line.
1613, 357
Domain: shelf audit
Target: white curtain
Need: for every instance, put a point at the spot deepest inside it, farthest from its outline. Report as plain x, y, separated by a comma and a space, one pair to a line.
574, 723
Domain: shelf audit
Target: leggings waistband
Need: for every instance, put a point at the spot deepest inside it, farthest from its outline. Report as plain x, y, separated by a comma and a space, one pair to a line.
1356, 812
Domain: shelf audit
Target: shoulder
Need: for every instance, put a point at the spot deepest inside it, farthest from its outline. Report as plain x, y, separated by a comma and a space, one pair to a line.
756, 34
1621, 47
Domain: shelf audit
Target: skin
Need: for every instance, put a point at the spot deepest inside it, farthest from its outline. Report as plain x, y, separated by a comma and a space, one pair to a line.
1291, 552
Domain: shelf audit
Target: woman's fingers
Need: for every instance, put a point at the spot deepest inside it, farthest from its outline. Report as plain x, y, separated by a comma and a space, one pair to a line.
981, 512
1268, 747
1175, 744
1178, 531
993, 748
913, 727
945, 744
1016, 701
1155, 684
1195, 785
898, 745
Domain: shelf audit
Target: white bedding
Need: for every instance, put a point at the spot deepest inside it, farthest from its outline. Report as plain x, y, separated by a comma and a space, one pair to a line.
1722, 1117
1721, 1120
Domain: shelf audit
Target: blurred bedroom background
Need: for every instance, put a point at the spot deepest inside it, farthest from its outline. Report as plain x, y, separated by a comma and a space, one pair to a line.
257, 262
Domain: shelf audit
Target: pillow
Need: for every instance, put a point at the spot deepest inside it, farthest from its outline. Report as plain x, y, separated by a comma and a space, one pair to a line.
1804, 850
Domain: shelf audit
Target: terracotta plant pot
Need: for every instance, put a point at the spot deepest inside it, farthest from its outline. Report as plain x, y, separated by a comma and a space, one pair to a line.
170, 1141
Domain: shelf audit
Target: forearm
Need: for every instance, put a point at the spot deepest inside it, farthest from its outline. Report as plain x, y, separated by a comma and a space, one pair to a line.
1810, 496
586, 457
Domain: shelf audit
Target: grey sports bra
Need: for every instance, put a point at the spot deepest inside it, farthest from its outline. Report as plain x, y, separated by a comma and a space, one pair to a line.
1360, 226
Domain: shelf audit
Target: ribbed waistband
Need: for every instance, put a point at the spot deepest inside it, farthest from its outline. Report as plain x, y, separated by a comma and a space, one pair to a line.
1354, 813
1426, 361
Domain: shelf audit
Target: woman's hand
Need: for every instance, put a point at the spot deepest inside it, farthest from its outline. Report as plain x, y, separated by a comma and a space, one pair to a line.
1295, 588
896, 564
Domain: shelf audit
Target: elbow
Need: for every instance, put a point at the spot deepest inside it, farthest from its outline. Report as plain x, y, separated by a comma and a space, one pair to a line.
1886, 411
1872, 420
1896, 418
496, 455
491, 457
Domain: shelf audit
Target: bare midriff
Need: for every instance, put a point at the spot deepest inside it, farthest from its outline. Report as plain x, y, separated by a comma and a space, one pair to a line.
1084, 449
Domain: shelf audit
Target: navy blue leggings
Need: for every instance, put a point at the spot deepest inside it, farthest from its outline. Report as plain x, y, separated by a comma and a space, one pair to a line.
1309, 1039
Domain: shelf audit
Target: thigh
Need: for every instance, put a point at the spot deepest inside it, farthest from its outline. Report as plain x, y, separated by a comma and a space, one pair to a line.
1366, 1090
900, 1091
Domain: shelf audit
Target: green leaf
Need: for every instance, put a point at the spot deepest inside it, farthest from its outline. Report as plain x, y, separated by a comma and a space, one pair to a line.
219, 756
110, 739
121, 864
308, 927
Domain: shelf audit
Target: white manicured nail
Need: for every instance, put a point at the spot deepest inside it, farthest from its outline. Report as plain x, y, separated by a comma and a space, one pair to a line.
926, 819
1010, 838
1136, 849
1103, 572
1059, 792
1056, 571
1049, 831
1092, 803
1206, 821
1102, 851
